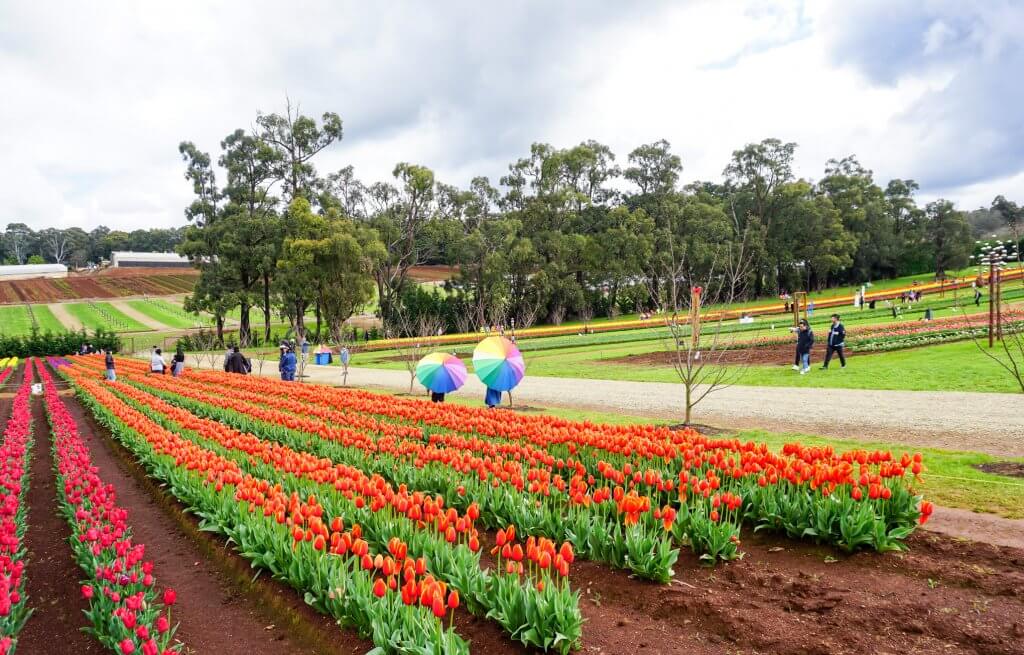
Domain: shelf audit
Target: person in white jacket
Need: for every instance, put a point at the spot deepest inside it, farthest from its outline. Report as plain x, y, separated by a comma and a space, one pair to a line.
156, 362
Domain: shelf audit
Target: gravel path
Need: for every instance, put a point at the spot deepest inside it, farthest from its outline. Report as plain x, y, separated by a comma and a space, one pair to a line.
65, 318
983, 422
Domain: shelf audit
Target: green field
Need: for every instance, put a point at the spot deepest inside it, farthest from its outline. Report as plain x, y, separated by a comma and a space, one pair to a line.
169, 314
46, 320
104, 315
16, 321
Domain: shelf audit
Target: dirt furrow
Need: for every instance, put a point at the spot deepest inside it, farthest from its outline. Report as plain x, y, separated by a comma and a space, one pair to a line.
53, 579
216, 614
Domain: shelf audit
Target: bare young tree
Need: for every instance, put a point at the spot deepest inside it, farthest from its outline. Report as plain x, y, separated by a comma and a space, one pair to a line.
1009, 354
586, 314
466, 323
346, 341
422, 331
703, 354
206, 341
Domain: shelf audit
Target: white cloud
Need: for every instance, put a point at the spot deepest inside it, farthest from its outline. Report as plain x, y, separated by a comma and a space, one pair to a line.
937, 35
97, 97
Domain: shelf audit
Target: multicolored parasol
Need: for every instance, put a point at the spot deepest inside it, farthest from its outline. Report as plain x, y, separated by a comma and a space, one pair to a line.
498, 363
441, 372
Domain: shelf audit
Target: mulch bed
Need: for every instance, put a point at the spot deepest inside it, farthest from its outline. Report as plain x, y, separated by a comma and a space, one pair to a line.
1009, 469
781, 355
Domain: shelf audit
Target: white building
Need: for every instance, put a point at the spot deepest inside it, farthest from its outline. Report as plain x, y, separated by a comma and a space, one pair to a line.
27, 271
128, 259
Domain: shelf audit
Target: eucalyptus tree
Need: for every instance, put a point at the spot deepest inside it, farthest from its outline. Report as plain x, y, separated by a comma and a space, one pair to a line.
400, 213
297, 139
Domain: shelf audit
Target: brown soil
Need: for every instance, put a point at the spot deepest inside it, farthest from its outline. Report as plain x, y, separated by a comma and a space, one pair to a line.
432, 273
139, 271
944, 595
53, 580
1010, 469
782, 355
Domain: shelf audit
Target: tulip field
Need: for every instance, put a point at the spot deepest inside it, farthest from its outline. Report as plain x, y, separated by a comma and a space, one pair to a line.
425, 528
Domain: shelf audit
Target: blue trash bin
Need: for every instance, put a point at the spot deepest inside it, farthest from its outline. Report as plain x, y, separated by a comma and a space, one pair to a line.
323, 359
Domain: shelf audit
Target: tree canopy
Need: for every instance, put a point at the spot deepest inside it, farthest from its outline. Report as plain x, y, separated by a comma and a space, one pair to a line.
566, 231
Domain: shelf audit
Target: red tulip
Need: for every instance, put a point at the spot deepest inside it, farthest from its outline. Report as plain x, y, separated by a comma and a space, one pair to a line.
438, 607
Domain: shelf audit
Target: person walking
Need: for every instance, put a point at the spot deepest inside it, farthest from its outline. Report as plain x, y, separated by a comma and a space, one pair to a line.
156, 362
835, 342
109, 361
305, 352
178, 361
804, 343
977, 297
810, 309
237, 363
288, 365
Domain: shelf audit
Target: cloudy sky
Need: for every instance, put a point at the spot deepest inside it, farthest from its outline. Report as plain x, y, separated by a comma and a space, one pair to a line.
97, 96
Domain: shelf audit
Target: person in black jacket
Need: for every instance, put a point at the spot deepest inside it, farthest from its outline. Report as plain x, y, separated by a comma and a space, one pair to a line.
237, 363
836, 341
804, 343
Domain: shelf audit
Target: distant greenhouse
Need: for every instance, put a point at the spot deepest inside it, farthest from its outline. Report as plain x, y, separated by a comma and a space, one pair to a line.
28, 271
128, 259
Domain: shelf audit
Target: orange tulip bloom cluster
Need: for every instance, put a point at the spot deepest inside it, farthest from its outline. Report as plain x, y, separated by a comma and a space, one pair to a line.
304, 523
353, 483
539, 559
647, 471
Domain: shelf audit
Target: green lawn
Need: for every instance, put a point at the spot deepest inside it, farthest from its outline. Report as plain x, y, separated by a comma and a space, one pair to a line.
950, 480
14, 320
168, 314
113, 320
46, 320
948, 367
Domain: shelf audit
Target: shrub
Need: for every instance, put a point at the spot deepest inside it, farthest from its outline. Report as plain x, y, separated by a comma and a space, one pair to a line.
40, 344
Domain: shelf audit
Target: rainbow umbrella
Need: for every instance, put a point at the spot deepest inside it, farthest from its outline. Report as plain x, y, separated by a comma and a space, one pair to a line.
498, 363
441, 372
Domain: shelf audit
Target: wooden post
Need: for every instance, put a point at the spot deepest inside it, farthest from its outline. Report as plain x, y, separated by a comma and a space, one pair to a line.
695, 317
799, 299
999, 305
991, 303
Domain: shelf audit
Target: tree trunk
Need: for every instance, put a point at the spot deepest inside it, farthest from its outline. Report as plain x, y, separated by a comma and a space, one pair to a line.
243, 325
266, 307
689, 404
220, 330
318, 318
300, 320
